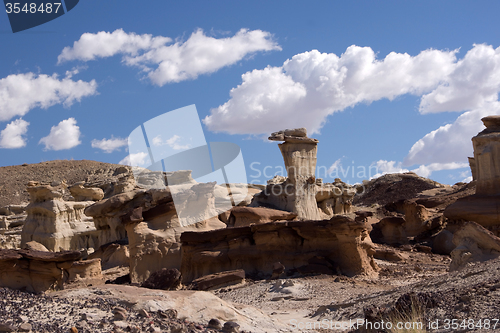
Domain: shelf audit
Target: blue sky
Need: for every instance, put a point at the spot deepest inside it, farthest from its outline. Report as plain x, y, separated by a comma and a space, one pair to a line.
393, 85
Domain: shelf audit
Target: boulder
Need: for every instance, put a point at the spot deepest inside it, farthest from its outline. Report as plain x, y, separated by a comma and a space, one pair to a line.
390, 230
165, 279
473, 243
256, 248
219, 280
112, 255
417, 223
35, 246
388, 254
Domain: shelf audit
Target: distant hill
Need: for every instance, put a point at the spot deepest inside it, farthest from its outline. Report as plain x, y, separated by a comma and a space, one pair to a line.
13, 179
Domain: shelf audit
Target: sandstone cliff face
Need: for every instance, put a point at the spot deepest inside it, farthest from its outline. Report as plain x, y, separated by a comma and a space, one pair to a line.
58, 224
341, 243
38, 271
484, 206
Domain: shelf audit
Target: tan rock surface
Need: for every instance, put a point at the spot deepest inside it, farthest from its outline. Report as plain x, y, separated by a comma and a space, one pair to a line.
149, 219
298, 193
255, 249
39, 271
58, 224
483, 207
245, 216
196, 306
81, 193
473, 244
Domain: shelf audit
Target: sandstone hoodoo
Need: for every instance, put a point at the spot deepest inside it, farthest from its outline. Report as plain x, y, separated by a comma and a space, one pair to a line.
300, 192
484, 206
56, 223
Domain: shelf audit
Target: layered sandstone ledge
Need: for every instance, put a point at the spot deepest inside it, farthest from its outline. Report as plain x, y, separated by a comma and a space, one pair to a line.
39, 271
340, 244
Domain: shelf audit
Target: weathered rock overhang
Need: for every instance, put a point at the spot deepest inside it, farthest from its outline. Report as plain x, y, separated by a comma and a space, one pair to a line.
340, 241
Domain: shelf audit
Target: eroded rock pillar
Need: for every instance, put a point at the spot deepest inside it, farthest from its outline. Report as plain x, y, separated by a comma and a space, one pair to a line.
487, 157
297, 194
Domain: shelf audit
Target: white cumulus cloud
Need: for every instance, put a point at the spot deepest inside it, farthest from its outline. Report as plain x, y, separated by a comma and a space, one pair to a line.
64, 135
136, 159
19, 93
427, 170
166, 62
474, 82
383, 167
312, 85
13, 134
173, 142
451, 142
109, 145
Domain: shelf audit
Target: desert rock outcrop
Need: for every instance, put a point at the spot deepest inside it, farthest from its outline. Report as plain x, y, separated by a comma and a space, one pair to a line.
149, 219
473, 244
244, 216
414, 221
300, 192
82, 193
39, 271
341, 241
56, 223
484, 206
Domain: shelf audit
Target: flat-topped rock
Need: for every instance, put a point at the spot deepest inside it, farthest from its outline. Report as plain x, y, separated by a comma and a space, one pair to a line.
294, 244
51, 256
491, 122
40, 271
289, 134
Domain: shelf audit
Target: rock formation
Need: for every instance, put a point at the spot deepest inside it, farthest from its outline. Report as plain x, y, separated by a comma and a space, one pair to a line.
58, 224
300, 192
413, 221
484, 206
340, 242
81, 193
245, 216
473, 244
39, 271
152, 225
218, 280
